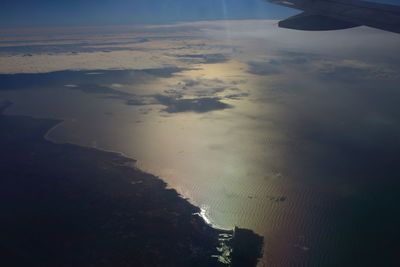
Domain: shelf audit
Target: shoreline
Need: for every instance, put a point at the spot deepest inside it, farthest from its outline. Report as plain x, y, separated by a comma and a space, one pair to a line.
133, 164
119, 163
201, 214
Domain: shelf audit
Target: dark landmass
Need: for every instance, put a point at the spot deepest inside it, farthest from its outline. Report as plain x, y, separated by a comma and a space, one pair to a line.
246, 247
65, 205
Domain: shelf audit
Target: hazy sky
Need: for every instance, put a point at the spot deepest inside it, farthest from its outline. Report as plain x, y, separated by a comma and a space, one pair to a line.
33, 13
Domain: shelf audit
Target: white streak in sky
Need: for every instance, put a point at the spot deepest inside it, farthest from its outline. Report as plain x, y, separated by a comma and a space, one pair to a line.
226, 23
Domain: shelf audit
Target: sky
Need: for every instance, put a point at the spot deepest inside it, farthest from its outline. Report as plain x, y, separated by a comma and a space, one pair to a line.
45, 13
121, 12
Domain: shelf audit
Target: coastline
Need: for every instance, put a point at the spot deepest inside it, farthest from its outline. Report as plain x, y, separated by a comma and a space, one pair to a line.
132, 164
179, 215
60, 122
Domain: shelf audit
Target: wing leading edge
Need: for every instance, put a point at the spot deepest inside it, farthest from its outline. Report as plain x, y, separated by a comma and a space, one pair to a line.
323, 15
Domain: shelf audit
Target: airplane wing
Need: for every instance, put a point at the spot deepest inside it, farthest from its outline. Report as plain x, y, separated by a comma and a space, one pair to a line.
323, 15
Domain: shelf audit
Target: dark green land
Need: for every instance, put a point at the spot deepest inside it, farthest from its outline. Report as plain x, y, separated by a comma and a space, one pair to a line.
65, 205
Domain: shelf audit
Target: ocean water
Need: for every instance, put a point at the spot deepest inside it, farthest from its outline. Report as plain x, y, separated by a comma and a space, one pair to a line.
307, 159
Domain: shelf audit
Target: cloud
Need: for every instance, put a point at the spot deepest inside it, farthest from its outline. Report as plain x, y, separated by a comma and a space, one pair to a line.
204, 58
237, 96
89, 82
198, 95
203, 87
177, 103
123, 60
293, 57
269, 67
350, 70
164, 72
137, 102
98, 89
132, 48
199, 105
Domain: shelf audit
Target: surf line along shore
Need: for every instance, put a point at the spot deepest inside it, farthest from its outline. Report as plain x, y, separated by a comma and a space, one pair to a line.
67, 205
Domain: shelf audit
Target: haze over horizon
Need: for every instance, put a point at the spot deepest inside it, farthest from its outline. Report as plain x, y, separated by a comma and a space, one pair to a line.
30, 13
